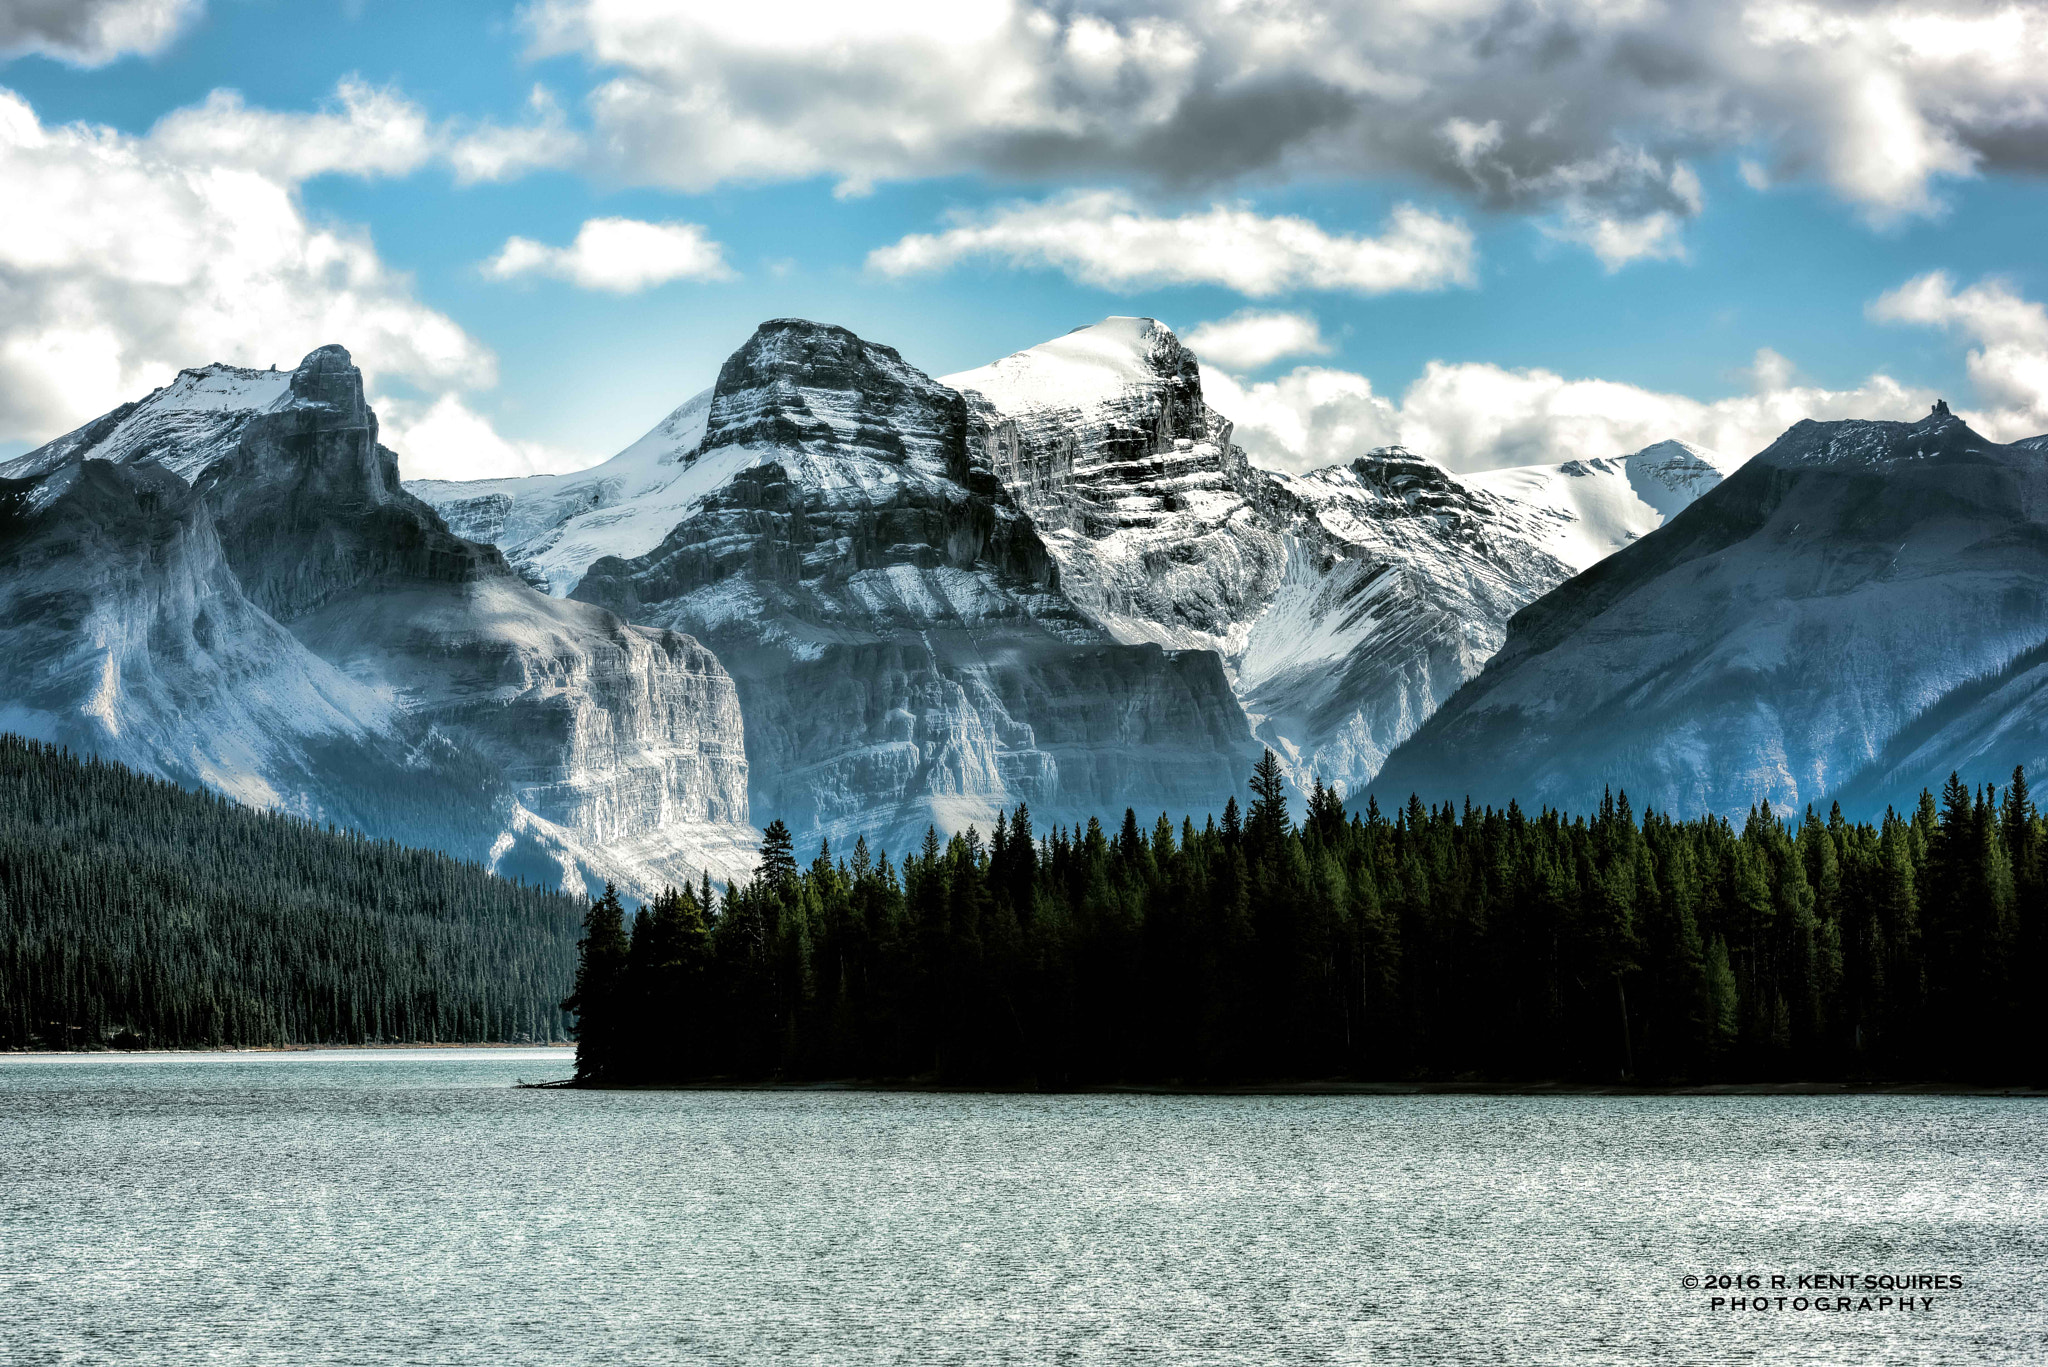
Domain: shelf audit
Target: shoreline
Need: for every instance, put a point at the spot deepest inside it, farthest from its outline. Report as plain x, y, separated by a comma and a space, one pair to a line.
1336, 1087
1312, 1087
420, 1047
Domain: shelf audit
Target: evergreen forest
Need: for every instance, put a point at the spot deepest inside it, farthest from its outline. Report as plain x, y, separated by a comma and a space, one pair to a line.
1474, 945
134, 912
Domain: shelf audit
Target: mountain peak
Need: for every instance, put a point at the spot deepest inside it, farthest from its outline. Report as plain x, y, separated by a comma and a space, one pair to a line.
817, 386
1847, 442
1673, 450
328, 378
1134, 330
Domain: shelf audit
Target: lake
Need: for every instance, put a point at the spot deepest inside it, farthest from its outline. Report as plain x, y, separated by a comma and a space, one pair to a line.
412, 1206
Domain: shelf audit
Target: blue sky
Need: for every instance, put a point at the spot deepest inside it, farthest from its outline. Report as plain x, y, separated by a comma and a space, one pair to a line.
1853, 227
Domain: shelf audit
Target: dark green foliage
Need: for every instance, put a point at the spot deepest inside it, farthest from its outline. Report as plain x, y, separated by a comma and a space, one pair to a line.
137, 913
1441, 944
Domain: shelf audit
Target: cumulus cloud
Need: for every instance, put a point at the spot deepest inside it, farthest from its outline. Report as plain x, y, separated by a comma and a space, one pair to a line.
93, 32
142, 258
1479, 416
447, 439
1252, 339
1101, 237
2008, 366
618, 255
1586, 112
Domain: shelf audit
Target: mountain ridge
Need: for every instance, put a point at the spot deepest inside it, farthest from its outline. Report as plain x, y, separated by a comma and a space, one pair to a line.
1772, 640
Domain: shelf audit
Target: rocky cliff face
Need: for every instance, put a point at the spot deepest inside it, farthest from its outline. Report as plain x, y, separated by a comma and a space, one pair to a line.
1855, 612
226, 584
897, 627
1346, 604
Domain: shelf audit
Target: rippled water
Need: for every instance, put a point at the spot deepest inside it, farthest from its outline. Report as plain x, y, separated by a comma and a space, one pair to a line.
413, 1207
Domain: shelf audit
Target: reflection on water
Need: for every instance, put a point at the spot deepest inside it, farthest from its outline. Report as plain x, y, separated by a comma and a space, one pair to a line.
411, 1206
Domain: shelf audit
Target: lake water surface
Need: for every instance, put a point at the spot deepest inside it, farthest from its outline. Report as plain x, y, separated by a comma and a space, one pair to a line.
383, 1207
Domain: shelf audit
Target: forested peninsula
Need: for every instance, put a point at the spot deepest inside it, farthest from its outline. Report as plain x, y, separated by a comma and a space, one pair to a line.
1476, 945
136, 913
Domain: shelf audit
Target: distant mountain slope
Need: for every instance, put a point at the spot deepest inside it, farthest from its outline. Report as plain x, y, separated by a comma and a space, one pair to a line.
224, 584
129, 905
1855, 611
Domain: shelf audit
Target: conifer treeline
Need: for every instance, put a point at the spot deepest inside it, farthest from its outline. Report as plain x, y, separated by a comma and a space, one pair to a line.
134, 910
1482, 944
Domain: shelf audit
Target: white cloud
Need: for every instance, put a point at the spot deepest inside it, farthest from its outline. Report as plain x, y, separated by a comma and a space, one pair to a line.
1310, 417
1581, 109
366, 132
142, 258
2008, 366
373, 133
1251, 339
1658, 236
493, 152
619, 255
1478, 416
93, 32
449, 440
1101, 237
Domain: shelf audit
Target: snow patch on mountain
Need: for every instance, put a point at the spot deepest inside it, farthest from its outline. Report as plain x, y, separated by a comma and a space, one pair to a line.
1588, 509
183, 427
551, 527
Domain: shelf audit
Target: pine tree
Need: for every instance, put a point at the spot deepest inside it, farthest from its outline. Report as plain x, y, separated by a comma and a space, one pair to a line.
596, 998
1268, 818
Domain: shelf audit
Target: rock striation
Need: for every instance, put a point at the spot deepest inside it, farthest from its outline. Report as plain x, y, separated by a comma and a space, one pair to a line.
225, 584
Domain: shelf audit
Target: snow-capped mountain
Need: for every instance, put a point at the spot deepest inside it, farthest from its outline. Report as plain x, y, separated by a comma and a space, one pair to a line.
1589, 509
1089, 498
225, 584
1855, 612
896, 626
1346, 603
